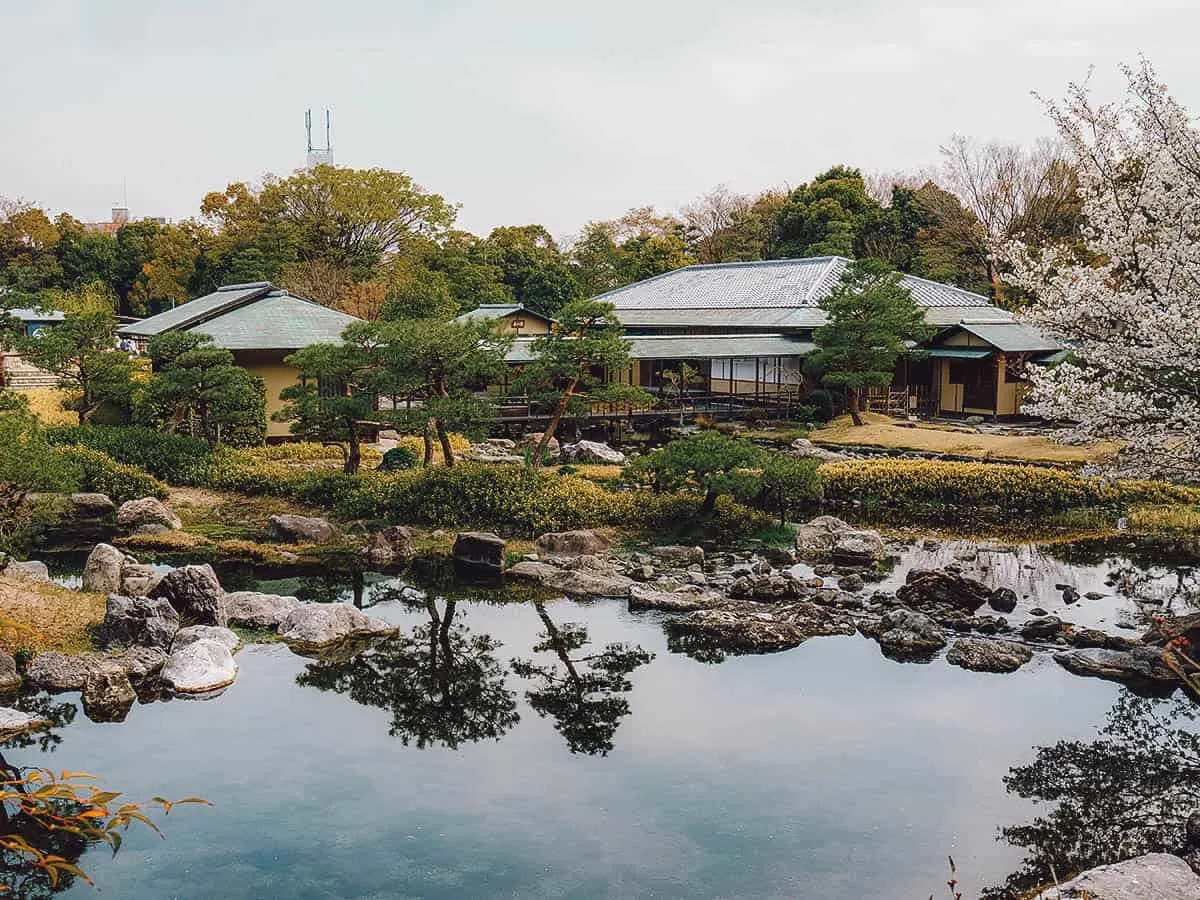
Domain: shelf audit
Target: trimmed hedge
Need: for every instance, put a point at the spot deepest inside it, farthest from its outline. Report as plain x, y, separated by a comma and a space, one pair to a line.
174, 458
102, 474
913, 483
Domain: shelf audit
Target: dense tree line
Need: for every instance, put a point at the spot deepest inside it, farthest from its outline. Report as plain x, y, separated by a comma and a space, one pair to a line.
378, 245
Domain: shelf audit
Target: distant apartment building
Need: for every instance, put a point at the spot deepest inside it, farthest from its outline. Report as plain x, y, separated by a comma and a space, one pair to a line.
120, 217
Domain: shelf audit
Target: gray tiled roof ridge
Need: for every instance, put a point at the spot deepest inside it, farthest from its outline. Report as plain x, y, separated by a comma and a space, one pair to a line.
831, 261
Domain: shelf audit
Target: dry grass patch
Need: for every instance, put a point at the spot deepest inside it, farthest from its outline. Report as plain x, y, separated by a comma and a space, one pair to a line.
882, 431
224, 514
47, 616
46, 404
598, 471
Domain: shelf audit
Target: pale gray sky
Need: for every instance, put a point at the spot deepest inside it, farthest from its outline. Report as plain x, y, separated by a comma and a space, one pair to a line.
546, 111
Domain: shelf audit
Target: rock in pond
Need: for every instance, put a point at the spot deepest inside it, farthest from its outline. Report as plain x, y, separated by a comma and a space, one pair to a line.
14, 722
138, 579
30, 570
803, 448
92, 507
571, 543
194, 592
302, 529
57, 672
10, 679
747, 627
251, 609
108, 695
678, 554
905, 634
139, 621
592, 452
394, 544
479, 550
315, 626
1042, 628
579, 582
829, 536
923, 587
988, 656
1137, 666
141, 663
194, 633
1155, 876
771, 588
102, 571
1003, 600
133, 514
641, 597
200, 667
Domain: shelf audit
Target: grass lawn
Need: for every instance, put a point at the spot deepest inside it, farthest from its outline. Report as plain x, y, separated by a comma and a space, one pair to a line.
881, 431
47, 616
46, 404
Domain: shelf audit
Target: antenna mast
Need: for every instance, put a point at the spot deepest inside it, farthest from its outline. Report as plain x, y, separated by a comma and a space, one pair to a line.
319, 156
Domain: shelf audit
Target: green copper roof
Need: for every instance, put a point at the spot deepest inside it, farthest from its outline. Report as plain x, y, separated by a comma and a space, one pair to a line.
958, 352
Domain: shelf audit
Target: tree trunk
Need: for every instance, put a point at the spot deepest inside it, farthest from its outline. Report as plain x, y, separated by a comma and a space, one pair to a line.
428, 438
710, 501
853, 402
444, 440
559, 408
354, 457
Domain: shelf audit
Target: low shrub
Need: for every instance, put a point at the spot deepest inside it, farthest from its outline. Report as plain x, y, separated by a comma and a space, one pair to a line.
915, 483
821, 402
174, 458
104, 475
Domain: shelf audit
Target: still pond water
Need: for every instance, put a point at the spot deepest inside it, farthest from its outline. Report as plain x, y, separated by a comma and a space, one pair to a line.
828, 771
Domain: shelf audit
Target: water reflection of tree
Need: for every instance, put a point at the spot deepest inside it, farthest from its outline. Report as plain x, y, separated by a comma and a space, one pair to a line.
580, 697
442, 684
1126, 793
19, 876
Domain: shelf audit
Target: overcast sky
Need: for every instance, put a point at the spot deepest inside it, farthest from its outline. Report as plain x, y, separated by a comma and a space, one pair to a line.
547, 111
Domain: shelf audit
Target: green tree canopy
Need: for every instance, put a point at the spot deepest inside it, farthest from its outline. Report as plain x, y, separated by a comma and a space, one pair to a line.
707, 461
198, 389
825, 216
870, 316
532, 266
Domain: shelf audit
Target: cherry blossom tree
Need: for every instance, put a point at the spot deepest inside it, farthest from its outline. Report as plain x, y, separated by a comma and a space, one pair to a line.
1129, 307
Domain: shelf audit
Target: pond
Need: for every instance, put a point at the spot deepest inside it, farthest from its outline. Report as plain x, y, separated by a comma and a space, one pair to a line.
458, 762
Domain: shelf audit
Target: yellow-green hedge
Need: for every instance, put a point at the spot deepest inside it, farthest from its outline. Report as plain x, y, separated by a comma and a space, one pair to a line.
917, 482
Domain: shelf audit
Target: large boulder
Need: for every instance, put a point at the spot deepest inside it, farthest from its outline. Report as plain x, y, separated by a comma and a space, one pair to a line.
30, 570
531, 441
746, 627
571, 543
479, 550
251, 609
1137, 666
194, 592
141, 663
803, 448
139, 622
925, 587
1003, 600
772, 588
57, 672
1043, 628
316, 626
580, 582
133, 514
193, 633
294, 529
108, 695
642, 597
1155, 876
592, 452
92, 507
830, 537
102, 571
10, 680
394, 544
138, 579
14, 722
905, 634
988, 656
199, 667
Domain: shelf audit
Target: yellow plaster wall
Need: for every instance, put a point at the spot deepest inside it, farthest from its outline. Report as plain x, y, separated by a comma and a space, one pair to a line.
533, 324
276, 376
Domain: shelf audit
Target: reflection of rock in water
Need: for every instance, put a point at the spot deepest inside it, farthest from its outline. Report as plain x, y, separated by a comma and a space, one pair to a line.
1129, 792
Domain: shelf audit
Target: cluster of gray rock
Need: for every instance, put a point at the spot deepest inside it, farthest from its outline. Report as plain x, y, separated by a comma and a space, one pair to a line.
506, 450
757, 603
168, 632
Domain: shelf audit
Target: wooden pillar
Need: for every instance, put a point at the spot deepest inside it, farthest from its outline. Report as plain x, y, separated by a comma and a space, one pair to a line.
1001, 366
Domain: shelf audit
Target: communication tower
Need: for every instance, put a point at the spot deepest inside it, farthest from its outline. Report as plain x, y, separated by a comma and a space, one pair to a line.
319, 156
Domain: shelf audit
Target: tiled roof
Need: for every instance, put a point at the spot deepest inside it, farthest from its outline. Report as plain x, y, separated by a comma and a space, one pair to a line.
255, 316
1011, 337
498, 311
277, 321
28, 314
767, 284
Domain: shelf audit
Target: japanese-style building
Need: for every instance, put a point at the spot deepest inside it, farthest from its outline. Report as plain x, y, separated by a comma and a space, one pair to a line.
746, 327
260, 324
